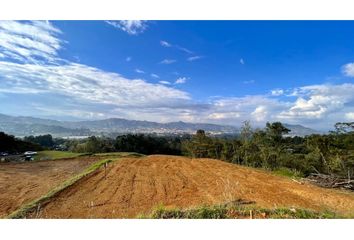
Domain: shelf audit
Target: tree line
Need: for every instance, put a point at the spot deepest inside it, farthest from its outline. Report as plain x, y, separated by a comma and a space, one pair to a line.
268, 148
10, 144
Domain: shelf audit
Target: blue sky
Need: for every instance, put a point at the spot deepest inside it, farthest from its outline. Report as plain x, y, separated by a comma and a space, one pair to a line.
224, 72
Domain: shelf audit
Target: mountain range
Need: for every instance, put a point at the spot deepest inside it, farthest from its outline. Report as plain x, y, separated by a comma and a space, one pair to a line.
24, 126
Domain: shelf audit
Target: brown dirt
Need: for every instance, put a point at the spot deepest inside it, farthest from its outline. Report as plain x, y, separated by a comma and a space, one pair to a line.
21, 183
135, 186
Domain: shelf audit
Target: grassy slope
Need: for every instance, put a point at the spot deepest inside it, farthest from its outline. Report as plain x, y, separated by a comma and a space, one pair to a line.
237, 212
119, 154
51, 155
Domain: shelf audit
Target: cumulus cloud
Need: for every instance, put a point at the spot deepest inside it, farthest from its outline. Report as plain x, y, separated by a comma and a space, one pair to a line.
128, 59
30, 41
348, 69
181, 80
258, 108
277, 92
132, 27
317, 106
318, 101
168, 61
350, 116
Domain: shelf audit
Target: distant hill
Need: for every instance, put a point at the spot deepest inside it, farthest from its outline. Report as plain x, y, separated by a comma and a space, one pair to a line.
24, 126
299, 130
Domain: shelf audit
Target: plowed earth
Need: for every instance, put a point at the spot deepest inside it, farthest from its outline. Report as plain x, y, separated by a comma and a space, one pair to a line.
21, 183
133, 186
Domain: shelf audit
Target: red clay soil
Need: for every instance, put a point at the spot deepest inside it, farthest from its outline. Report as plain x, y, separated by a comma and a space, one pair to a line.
21, 183
135, 186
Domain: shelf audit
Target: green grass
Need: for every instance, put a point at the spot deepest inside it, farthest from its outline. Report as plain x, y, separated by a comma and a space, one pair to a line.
52, 155
287, 172
119, 154
237, 211
25, 209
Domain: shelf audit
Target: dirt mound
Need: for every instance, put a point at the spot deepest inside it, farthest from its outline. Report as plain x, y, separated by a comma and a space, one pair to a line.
21, 183
130, 187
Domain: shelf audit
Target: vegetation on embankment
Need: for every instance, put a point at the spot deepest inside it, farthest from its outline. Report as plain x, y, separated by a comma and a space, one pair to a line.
34, 205
227, 211
119, 154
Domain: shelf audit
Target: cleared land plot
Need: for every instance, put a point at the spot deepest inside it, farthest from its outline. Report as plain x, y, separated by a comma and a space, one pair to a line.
134, 186
21, 183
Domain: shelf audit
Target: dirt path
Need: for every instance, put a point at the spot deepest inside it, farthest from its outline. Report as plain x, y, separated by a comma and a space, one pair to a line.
21, 183
135, 186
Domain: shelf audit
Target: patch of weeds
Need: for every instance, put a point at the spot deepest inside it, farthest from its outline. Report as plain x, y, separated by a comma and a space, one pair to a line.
238, 211
120, 154
287, 172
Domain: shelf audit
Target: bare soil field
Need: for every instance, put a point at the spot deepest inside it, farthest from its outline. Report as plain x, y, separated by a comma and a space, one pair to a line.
133, 186
21, 183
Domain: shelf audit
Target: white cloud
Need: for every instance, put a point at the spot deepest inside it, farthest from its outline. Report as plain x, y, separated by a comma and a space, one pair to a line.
94, 92
165, 82
242, 61
277, 92
319, 101
86, 84
348, 69
181, 80
194, 58
128, 59
224, 115
154, 75
260, 113
139, 71
29, 42
234, 110
165, 44
168, 61
184, 49
132, 27
350, 116
80, 90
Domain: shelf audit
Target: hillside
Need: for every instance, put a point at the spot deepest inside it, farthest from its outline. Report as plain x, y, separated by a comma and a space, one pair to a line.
22, 126
299, 130
133, 186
